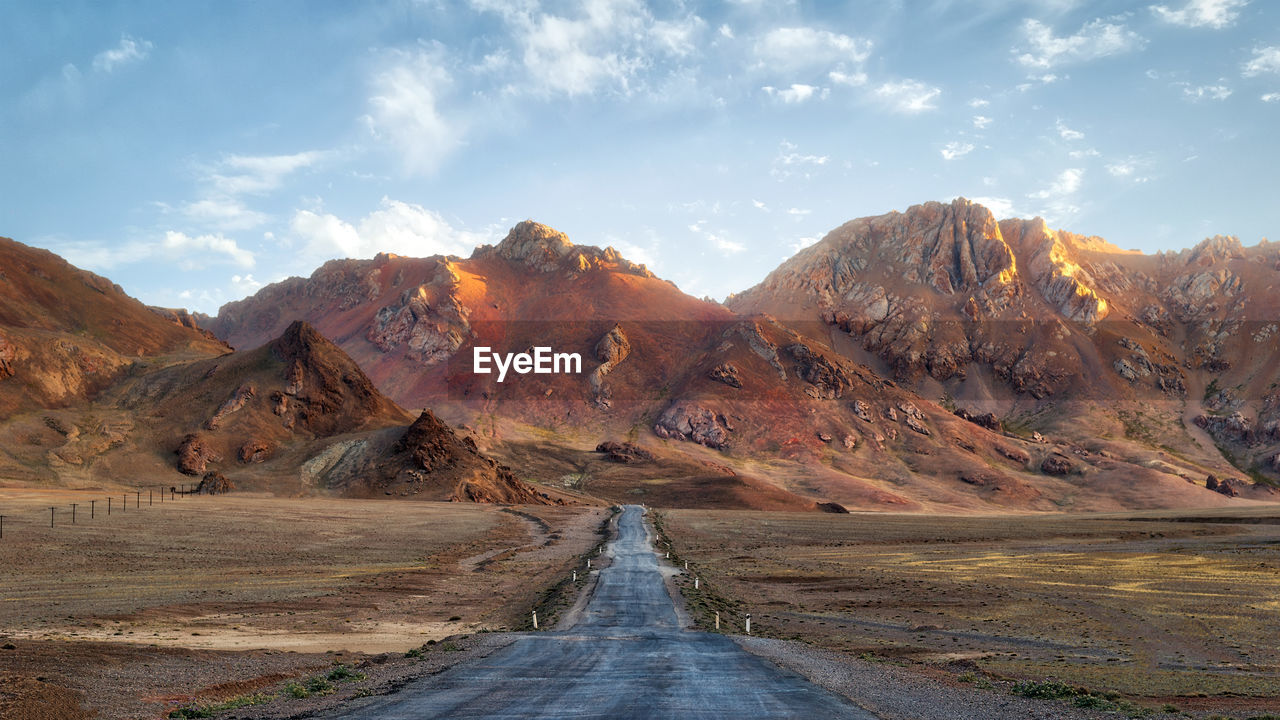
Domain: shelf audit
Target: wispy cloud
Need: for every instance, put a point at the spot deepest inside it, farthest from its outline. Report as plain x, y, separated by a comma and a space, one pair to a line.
793, 48
981, 121
797, 93
1067, 133
1216, 14
203, 246
1205, 92
1099, 38
405, 112
907, 96
953, 150
1264, 60
129, 51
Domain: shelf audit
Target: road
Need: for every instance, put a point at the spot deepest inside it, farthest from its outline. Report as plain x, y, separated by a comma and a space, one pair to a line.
626, 657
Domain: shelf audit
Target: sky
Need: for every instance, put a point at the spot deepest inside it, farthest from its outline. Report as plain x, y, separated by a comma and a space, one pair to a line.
195, 151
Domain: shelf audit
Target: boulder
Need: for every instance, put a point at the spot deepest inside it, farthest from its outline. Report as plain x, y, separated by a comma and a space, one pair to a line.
1056, 464
685, 420
623, 452
725, 373
194, 454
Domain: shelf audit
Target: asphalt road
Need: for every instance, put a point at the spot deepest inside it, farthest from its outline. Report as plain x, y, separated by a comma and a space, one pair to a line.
626, 657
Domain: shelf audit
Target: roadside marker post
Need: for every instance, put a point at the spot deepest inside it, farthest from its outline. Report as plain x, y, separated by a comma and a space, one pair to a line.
91, 504
535, 619
717, 620
748, 623
108, 506
588, 563
124, 507
1, 527
686, 564
575, 576
51, 510
137, 498
73, 513
150, 499
696, 583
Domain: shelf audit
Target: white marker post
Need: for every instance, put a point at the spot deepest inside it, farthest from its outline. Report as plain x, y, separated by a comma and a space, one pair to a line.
696, 583
686, 564
575, 576
535, 621
748, 623
717, 621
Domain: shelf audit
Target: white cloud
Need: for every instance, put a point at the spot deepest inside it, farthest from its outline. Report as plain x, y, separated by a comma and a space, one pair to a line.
978, 102
243, 285
1205, 92
395, 227
1264, 60
854, 79
790, 162
1271, 97
183, 245
1067, 133
797, 93
1095, 39
908, 96
404, 110
799, 212
1000, 207
726, 32
1215, 14
225, 213
1085, 153
1121, 169
605, 46
1067, 183
953, 150
759, 205
130, 50
725, 245
259, 174
981, 121
792, 48
802, 243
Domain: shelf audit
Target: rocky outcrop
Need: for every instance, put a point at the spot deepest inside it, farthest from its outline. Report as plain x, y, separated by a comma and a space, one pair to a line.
1065, 285
687, 421
326, 391
1231, 428
215, 483
242, 395
827, 379
986, 420
194, 455
435, 452
1224, 487
428, 321
726, 373
7, 354
623, 452
546, 250
832, 507
1056, 464
611, 350
253, 451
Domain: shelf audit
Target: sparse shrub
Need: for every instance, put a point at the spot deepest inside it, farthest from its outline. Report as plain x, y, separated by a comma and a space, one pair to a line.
414, 653
449, 647
342, 673
1047, 690
320, 686
297, 691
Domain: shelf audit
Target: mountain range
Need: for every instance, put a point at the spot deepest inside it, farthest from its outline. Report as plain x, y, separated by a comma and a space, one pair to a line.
932, 359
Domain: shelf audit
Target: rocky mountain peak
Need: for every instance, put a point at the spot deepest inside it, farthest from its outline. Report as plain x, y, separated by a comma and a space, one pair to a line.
1212, 250
535, 244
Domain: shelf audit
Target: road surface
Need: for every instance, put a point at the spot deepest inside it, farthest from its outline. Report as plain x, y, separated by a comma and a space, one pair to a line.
626, 657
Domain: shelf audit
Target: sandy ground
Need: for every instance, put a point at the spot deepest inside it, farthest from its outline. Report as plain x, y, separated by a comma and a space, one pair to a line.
1160, 608
160, 602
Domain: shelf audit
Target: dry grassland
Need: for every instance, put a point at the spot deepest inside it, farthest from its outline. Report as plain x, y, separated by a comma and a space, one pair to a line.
1142, 605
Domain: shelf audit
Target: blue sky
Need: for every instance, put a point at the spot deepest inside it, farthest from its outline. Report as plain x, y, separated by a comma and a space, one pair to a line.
193, 151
